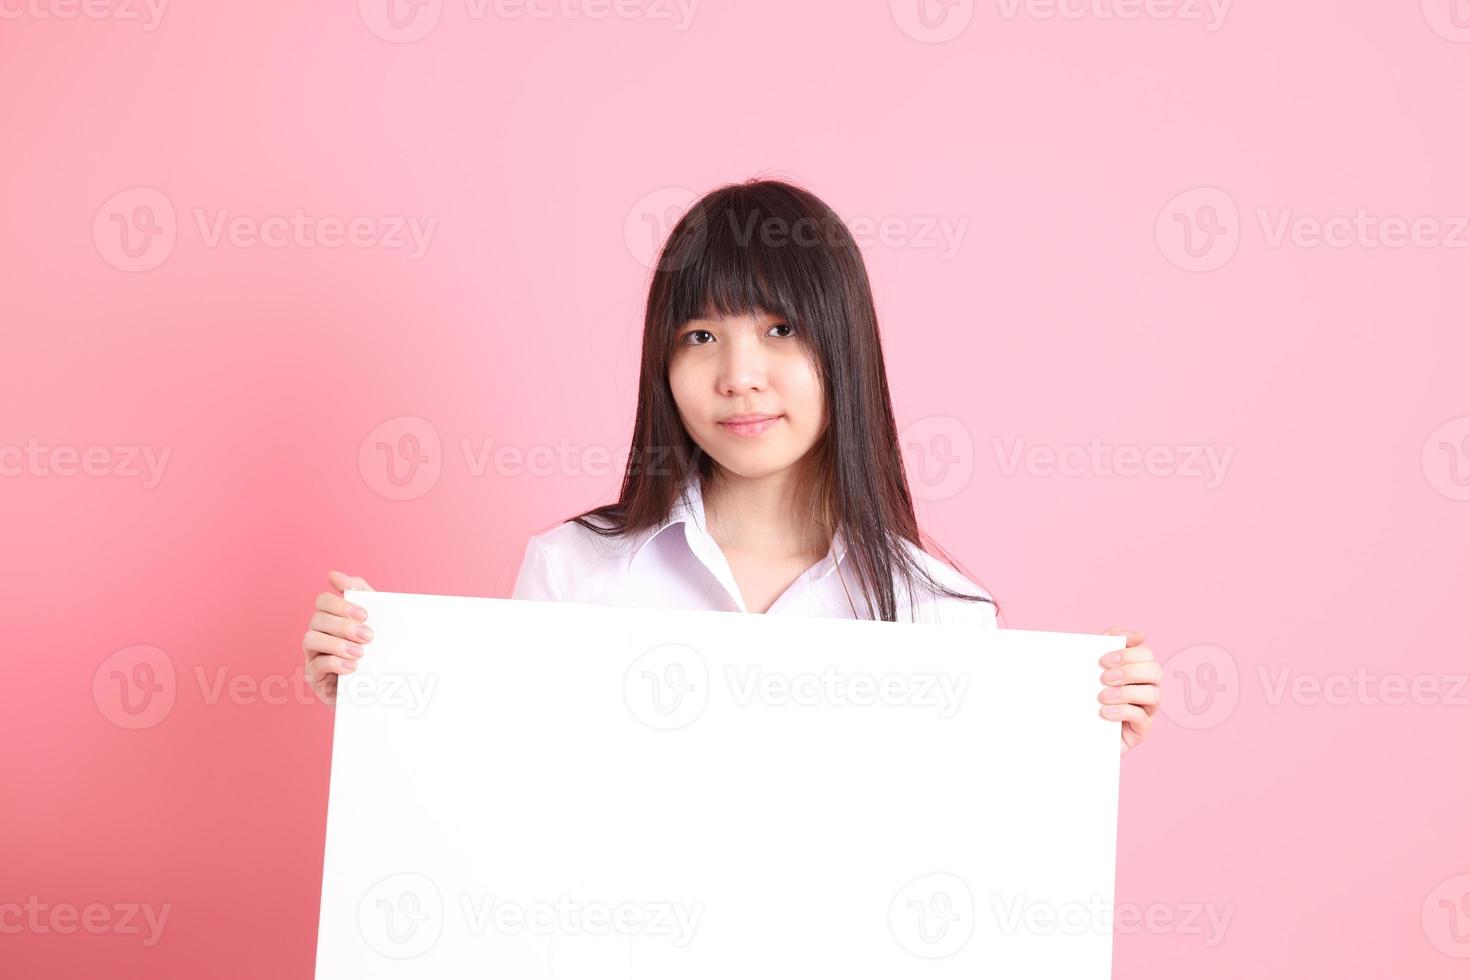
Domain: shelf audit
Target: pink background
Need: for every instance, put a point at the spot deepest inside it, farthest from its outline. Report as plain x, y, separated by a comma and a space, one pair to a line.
550, 153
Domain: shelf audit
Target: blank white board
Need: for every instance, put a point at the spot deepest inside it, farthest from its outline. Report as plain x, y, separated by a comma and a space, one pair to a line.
527, 790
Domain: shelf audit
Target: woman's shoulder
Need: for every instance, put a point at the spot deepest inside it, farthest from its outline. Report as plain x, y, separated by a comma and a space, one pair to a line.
560, 562
572, 541
941, 608
943, 572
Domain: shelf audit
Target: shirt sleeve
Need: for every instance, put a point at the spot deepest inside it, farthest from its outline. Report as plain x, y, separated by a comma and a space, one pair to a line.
536, 578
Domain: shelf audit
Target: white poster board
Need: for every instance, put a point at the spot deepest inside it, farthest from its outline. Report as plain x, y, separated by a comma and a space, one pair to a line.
528, 790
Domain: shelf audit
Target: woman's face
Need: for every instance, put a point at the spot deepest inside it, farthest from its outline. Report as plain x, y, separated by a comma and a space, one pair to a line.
725, 368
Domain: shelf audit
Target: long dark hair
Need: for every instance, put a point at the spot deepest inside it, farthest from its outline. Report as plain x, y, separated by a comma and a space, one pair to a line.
766, 246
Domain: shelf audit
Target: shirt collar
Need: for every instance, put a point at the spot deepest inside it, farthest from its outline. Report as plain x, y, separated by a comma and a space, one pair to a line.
688, 509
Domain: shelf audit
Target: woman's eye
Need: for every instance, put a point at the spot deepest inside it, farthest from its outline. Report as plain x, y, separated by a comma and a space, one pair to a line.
690, 338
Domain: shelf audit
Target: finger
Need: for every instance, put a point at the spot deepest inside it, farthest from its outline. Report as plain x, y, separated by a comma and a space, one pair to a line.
326, 689
1135, 730
325, 663
1141, 672
1135, 637
1127, 713
1127, 655
331, 602
1130, 694
341, 581
347, 629
317, 642
1136, 723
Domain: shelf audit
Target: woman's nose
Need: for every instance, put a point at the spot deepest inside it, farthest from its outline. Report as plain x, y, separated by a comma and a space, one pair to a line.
743, 368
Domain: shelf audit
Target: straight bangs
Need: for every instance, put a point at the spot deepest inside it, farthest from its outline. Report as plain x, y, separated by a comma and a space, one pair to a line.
747, 254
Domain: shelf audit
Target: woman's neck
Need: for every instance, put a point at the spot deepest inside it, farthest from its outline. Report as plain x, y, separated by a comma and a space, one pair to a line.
769, 516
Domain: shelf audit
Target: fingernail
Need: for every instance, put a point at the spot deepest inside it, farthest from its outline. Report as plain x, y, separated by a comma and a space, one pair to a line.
1112, 694
366, 633
1116, 674
348, 667
1113, 658
353, 650
1111, 712
357, 612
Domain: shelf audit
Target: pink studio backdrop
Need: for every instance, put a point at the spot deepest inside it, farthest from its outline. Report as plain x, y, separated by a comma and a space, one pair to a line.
1174, 307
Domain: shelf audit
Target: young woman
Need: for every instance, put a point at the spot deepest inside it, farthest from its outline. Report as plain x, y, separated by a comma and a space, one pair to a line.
765, 472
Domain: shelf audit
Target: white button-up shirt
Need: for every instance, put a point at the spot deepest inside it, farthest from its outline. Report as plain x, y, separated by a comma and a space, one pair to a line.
678, 565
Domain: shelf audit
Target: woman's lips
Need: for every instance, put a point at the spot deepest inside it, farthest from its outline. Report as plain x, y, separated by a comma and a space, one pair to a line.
750, 429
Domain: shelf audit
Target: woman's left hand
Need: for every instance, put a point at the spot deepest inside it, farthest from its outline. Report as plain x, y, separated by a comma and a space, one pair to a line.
1131, 690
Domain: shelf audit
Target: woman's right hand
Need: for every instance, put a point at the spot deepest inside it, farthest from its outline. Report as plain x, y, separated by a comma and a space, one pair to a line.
332, 639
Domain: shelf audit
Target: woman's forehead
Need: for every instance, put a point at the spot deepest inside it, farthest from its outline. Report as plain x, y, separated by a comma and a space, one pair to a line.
709, 313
